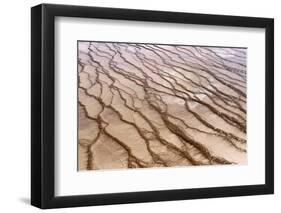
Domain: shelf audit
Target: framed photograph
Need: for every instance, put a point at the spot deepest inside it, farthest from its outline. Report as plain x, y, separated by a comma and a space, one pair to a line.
139, 106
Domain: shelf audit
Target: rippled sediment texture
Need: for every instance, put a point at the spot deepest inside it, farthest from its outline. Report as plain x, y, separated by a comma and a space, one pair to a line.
149, 105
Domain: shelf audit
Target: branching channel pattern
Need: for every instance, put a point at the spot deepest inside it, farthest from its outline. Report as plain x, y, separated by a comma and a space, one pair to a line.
151, 105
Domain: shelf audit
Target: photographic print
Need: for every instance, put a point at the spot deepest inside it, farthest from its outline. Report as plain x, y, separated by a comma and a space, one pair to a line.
181, 103
158, 105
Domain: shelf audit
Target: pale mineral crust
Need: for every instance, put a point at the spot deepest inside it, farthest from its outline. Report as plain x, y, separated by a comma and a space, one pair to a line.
151, 105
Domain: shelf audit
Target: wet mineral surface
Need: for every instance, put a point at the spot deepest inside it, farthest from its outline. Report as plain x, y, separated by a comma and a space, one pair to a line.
150, 105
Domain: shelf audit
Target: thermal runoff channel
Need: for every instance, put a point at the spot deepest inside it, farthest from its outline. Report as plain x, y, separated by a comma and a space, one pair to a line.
152, 105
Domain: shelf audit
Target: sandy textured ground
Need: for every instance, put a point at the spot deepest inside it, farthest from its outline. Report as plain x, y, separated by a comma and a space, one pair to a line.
144, 105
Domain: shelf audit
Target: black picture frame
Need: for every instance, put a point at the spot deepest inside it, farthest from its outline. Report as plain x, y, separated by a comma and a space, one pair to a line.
43, 105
